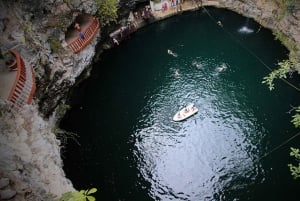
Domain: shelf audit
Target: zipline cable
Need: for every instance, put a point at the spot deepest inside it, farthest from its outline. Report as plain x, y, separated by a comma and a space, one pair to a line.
279, 146
264, 64
247, 49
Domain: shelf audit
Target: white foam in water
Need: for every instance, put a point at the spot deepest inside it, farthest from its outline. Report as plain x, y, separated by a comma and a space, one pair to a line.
246, 30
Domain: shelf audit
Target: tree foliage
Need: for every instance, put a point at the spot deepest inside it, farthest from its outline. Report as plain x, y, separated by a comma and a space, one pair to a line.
295, 170
107, 10
284, 68
82, 195
296, 118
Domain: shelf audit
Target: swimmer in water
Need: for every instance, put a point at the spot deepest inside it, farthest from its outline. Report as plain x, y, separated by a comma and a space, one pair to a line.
170, 52
176, 73
220, 23
196, 64
221, 68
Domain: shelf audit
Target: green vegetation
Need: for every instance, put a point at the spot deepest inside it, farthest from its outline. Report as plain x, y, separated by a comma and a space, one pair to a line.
291, 45
107, 11
295, 170
28, 26
296, 118
67, 1
285, 67
287, 6
55, 44
82, 195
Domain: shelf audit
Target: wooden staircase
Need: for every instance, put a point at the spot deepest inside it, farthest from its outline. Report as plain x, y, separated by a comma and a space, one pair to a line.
78, 44
24, 85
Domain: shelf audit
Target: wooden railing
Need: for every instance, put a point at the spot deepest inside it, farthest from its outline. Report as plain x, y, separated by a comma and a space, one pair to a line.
24, 85
78, 44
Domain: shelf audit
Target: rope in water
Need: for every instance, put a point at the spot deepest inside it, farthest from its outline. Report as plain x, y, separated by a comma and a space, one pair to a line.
247, 49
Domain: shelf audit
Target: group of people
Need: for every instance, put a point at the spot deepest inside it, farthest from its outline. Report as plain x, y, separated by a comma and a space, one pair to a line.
123, 32
143, 13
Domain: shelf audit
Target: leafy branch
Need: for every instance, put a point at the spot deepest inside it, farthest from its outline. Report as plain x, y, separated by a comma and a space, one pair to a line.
295, 170
286, 66
82, 195
296, 118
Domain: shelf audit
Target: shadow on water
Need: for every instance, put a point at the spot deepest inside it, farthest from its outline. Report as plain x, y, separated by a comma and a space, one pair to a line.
132, 150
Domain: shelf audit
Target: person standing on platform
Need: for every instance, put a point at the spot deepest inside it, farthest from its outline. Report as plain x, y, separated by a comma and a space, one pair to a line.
78, 28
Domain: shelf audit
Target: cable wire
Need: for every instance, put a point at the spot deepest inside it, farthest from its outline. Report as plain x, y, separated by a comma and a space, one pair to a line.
264, 64
247, 49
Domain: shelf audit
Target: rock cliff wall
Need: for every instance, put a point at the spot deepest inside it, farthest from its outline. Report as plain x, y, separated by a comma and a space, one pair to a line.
279, 17
30, 155
30, 152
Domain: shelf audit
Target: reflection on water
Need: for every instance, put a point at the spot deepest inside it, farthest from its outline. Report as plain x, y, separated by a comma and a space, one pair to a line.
203, 155
131, 150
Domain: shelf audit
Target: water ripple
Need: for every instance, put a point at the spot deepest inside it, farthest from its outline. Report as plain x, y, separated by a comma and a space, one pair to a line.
204, 155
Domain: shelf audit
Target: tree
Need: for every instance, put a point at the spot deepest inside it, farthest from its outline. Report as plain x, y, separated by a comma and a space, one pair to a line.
107, 10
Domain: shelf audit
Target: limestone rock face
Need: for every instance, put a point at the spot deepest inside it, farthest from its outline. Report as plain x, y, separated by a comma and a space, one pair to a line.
37, 29
271, 14
29, 157
29, 151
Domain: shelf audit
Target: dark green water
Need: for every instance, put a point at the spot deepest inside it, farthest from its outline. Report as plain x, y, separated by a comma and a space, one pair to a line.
132, 150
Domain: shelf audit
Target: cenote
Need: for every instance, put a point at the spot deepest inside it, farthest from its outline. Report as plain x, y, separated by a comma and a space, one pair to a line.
130, 149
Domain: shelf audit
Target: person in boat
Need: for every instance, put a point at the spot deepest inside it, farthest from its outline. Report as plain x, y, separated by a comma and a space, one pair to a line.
186, 110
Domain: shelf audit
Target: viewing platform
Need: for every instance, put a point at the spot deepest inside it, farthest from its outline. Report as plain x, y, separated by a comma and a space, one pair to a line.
166, 8
17, 82
152, 12
88, 26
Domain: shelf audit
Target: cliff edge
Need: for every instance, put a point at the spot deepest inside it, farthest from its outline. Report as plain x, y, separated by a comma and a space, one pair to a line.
30, 158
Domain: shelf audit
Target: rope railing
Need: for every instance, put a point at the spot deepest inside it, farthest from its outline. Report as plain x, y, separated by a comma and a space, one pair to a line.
78, 44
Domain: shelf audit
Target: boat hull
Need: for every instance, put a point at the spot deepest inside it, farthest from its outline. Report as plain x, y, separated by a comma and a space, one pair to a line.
185, 113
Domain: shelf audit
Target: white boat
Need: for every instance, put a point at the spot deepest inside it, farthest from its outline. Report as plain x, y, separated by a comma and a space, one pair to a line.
185, 112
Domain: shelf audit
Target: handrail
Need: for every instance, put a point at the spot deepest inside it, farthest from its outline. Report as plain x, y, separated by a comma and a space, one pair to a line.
33, 88
24, 85
18, 60
89, 32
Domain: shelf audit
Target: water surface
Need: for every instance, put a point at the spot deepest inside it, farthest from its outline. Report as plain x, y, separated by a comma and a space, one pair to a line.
132, 150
